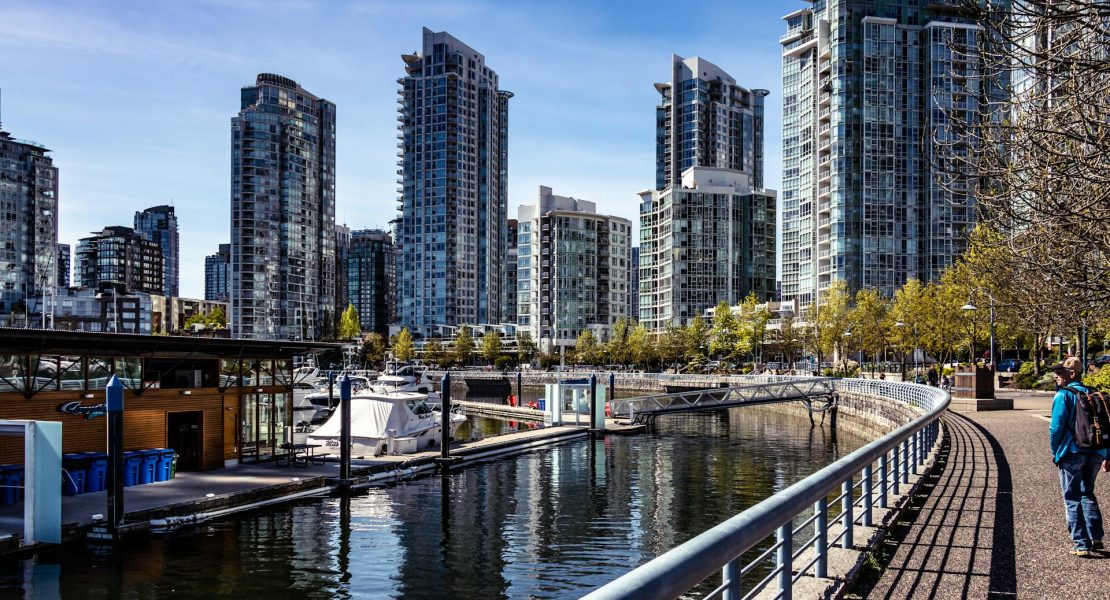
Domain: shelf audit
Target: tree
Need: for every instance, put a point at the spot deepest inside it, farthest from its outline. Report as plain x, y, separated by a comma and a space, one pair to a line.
871, 322
672, 346
349, 325
464, 345
834, 322
526, 347
491, 346
619, 347
696, 341
723, 332
642, 347
434, 353
907, 311
751, 327
403, 347
785, 339
373, 349
586, 348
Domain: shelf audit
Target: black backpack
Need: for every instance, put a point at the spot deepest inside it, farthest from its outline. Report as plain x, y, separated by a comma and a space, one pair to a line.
1092, 419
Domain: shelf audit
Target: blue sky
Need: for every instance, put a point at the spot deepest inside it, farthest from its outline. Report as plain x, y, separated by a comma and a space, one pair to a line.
135, 98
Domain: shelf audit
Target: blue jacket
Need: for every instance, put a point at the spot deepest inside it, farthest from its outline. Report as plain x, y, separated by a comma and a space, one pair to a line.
1061, 431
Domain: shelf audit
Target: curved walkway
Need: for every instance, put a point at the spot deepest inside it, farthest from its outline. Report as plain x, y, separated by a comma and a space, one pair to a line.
992, 523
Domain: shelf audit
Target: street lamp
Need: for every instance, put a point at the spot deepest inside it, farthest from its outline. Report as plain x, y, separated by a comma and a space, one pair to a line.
971, 307
847, 335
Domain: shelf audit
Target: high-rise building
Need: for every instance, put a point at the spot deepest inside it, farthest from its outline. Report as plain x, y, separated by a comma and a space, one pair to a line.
510, 274
217, 268
342, 248
709, 239
371, 273
282, 212
706, 120
572, 269
28, 221
868, 85
65, 264
159, 225
634, 284
453, 204
121, 258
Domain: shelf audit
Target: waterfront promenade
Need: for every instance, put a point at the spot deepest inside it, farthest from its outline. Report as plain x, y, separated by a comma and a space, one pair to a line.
992, 523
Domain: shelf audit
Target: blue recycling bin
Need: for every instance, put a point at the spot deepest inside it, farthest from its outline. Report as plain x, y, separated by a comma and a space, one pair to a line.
74, 468
542, 404
13, 483
132, 467
164, 471
149, 473
96, 475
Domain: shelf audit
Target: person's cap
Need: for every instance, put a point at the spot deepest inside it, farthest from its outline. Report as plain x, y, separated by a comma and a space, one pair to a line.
1071, 363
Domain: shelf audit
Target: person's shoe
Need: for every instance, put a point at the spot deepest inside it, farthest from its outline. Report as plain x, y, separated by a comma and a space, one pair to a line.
1097, 546
1081, 553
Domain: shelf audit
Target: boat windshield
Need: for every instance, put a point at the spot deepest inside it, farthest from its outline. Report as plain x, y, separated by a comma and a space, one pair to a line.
418, 406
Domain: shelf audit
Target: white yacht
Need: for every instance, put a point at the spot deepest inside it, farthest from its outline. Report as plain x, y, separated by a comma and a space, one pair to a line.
319, 398
394, 422
399, 377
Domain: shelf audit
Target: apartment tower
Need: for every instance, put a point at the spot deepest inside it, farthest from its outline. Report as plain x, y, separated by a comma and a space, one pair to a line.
453, 205
282, 212
28, 221
159, 225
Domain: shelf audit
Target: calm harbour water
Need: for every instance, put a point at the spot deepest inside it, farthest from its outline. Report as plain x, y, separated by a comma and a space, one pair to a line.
554, 522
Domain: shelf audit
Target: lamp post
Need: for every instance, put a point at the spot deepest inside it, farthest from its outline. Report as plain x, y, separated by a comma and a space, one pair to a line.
969, 307
902, 334
847, 335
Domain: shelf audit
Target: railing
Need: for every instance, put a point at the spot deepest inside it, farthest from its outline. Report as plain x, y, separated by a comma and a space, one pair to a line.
875, 470
759, 389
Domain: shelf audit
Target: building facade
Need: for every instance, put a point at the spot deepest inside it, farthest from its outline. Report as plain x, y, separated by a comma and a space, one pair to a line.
65, 264
867, 87
572, 269
634, 284
371, 273
453, 204
217, 268
705, 119
282, 212
709, 239
122, 258
342, 251
159, 225
510, 273
108, 310
169, 314
28, 221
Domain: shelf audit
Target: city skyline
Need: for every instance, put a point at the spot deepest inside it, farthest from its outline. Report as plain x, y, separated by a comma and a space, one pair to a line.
185, 64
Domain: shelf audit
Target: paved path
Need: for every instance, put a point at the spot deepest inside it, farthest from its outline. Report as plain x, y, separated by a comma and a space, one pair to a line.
993, 524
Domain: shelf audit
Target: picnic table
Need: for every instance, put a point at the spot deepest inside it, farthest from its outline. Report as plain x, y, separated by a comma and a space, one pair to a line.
300, 455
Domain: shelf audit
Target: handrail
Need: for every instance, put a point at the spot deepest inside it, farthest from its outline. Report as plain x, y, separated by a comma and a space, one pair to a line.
718, 550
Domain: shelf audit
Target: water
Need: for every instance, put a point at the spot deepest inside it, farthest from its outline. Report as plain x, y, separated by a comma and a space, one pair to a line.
553, 523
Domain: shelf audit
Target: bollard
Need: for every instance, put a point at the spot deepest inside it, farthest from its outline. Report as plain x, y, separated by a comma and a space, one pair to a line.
114, 407
445, 418
593, 402
345, 427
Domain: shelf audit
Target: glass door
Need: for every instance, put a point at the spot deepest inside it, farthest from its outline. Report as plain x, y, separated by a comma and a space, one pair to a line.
262, 426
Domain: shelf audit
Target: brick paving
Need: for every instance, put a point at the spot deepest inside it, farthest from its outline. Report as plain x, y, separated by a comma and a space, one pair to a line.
993, 524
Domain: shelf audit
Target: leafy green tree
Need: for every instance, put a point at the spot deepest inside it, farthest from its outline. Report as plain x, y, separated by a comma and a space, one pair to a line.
434, 353
870, 324
526, 347
464, 345
785, 339
724, 332
491, 346
619, 346
907, 311
349, 325
834, 322
373, 349
403, 347
587, 351
672, 346
696, 336
751, 326
642, 347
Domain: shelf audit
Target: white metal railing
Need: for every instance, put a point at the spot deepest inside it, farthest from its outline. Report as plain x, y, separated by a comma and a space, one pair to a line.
865, 479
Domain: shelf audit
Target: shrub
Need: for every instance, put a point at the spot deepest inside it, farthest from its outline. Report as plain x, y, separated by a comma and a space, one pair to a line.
503, 363
1099, 380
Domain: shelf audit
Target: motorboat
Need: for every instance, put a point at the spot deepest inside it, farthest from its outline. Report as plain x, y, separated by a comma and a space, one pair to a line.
393, 423
400, 377
319, 398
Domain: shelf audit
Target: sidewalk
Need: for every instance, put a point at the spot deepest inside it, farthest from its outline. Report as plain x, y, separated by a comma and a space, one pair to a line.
992, 525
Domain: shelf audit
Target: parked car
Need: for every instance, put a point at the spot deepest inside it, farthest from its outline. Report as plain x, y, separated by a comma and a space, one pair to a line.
1009, 364
1101, 361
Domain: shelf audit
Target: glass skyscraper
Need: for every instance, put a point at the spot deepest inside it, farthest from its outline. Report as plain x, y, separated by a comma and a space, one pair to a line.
159, 225
282, 212
453, 206
868, 85
217, 267
28, 221
371, 271
707, 231
122, 258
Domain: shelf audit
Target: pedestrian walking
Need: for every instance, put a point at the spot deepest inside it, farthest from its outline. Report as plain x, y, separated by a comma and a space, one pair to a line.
1078, 466
933, 377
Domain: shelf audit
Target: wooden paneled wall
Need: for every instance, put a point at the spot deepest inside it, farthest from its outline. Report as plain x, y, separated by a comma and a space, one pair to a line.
144, 422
